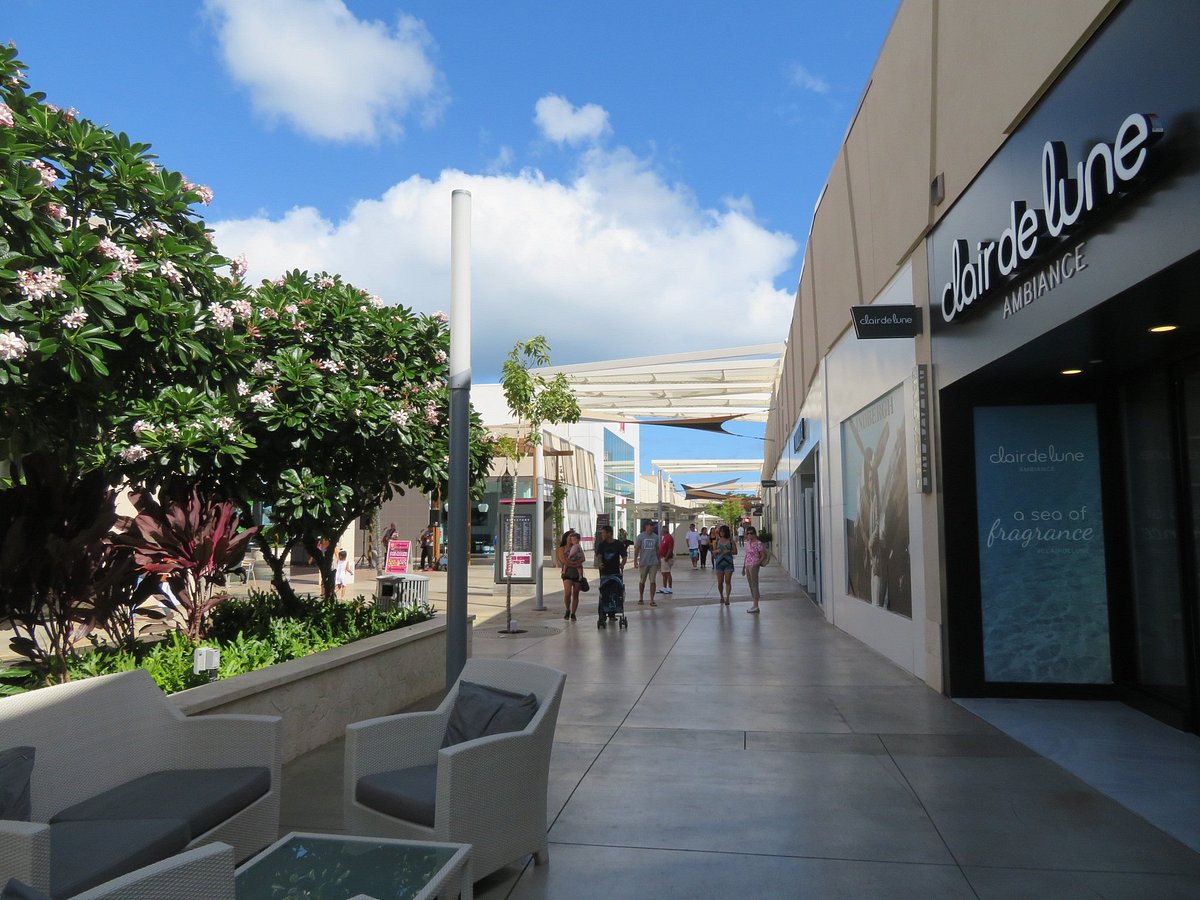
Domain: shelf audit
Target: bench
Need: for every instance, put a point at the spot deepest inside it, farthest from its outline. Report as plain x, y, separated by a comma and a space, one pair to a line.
121, 779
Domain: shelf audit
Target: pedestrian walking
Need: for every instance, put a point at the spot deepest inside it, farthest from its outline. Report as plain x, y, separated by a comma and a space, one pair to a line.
693, 545
705, 545
666, 561
571, 558
756, 556
645, 551
741, 535
343, 574
724, 549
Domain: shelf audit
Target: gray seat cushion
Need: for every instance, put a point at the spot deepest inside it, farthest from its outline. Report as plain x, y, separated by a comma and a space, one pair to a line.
480, 710
85, 854
16, 769
408, 794
204, 798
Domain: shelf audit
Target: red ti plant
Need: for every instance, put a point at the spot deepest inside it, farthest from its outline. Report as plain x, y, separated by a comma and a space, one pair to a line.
190, 537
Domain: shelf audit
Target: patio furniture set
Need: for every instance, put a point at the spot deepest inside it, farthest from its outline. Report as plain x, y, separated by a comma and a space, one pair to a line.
108, 791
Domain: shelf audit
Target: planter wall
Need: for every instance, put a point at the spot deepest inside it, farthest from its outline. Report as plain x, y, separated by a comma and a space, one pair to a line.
320, 695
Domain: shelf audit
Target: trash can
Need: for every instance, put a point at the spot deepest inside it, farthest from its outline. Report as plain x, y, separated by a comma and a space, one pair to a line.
387, 591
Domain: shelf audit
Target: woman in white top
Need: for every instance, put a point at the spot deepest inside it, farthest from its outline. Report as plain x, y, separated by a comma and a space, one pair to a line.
705, 540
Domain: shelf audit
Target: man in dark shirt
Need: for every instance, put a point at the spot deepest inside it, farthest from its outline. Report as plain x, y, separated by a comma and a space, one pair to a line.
610, 554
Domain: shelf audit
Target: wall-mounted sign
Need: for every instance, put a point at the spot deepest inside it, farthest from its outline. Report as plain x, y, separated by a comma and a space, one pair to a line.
770, 483
921, 438
799, 435
886, 321
1107, 171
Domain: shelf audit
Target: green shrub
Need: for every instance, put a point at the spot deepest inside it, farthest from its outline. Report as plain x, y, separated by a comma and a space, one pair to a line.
251, 633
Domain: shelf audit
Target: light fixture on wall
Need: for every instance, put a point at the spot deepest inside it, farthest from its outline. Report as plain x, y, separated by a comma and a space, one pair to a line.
937, 189
1072, 371
1162, 329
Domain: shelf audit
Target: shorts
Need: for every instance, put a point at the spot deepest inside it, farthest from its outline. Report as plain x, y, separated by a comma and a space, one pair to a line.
665, 563
724, 564
694, 553
645, 572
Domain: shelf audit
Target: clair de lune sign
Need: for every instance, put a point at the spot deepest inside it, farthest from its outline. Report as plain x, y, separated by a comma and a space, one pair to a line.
1067, 201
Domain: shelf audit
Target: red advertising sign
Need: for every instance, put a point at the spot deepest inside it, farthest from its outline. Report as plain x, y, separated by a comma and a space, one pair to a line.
398, 557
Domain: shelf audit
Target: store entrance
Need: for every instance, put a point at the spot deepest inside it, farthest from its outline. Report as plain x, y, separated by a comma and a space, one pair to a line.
1160, 413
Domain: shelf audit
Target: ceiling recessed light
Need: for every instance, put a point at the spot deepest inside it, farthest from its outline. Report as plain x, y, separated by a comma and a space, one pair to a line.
1163, 329
1072, 371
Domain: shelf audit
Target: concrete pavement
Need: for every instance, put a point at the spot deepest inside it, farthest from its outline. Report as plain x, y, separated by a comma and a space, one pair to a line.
706, 752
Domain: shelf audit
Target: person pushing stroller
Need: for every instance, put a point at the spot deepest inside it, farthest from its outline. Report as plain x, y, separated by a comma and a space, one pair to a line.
610, 560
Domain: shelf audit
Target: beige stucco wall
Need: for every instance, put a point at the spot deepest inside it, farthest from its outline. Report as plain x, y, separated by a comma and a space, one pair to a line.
953, 79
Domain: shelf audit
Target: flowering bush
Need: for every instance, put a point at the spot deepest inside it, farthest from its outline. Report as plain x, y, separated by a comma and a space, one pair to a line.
130, 347
105, 274
342, 398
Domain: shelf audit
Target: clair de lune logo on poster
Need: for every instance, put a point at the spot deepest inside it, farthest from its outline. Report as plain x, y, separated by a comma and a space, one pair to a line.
1037, 456
1106, 172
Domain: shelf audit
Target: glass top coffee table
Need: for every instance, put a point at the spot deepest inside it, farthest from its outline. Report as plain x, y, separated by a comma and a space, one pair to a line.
305, 866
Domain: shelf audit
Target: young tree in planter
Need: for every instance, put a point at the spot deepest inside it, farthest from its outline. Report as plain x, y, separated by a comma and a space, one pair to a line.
345, 399
536, 401
728, 511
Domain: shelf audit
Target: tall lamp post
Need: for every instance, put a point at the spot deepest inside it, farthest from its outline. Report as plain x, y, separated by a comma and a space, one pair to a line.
458, 526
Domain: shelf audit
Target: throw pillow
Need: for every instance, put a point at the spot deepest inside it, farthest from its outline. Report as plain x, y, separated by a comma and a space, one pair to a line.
480, 710
16, 769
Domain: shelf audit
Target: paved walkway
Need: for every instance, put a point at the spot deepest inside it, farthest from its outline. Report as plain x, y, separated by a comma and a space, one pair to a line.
705, 752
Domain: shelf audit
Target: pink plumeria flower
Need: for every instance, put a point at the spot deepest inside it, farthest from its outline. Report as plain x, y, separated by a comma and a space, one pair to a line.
46, 172
12, 346
6, 116
74, 319
57, 212
238, 268
39, 285
134, 452
170, 272
221, 316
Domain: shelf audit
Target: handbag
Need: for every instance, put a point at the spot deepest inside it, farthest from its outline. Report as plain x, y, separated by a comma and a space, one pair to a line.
583, 585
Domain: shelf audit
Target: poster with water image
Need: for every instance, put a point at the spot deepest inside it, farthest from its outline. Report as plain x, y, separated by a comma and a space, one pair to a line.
1041, 545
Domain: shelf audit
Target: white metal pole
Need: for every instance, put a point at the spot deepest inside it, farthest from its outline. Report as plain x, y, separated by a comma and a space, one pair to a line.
458, 527
539, 524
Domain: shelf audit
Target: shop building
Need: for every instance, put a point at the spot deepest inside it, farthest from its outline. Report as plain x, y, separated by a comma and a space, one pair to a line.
1001, 496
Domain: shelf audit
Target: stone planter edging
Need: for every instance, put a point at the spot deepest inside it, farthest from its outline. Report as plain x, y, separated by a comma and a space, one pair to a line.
319, 695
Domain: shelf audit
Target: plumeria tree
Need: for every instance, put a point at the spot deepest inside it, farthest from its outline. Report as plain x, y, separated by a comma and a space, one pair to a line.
343, 399
129, 346
106, 279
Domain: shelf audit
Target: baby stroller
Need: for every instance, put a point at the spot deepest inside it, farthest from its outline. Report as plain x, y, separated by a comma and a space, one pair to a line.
612, 601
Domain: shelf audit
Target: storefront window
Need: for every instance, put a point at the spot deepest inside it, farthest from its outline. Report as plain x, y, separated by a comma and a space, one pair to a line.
1041, 545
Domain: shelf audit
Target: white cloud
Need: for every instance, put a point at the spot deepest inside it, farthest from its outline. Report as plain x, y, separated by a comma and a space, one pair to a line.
331, 75
613, 263
803, 78
563, 123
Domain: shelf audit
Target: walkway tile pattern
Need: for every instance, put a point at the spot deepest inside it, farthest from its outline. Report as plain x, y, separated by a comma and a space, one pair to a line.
704, 752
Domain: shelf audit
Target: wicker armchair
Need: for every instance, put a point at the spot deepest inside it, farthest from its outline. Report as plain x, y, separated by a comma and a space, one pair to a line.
491, 792
200, 872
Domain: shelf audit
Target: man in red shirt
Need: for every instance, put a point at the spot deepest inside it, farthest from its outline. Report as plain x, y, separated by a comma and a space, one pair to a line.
666, 558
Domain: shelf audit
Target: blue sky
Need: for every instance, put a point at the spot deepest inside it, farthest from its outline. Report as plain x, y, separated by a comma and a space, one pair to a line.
643, 174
